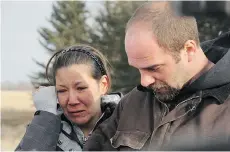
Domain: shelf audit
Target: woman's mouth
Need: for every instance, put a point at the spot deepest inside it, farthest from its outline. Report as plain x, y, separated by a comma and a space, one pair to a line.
79, 113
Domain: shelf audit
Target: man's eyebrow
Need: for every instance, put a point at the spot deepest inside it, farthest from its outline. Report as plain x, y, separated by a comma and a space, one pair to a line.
151, 67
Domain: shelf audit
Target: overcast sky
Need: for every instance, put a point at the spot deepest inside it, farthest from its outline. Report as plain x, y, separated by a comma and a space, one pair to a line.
19, 37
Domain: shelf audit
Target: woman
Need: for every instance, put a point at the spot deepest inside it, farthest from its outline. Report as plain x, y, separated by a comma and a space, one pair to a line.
81, 80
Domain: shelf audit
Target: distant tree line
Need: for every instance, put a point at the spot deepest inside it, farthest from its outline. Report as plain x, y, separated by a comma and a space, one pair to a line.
69, 20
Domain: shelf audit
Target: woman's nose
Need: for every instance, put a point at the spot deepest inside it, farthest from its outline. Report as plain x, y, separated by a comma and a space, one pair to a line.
73, 98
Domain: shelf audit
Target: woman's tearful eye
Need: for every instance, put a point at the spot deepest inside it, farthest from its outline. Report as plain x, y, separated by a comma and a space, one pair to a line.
61, 91
81, 88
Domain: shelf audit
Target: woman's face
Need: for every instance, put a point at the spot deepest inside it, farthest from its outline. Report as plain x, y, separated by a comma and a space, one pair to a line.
79, 93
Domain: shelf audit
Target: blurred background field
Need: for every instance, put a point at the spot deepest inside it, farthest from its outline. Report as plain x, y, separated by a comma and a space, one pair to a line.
16, 112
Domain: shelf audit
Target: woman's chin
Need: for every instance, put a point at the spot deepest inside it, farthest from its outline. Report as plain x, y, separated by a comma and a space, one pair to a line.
80, 121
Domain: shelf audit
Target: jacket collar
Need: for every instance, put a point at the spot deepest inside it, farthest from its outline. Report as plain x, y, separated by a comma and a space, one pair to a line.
142, 88
219, 93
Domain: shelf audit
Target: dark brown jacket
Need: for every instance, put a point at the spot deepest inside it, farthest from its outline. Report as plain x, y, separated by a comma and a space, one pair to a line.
200, 120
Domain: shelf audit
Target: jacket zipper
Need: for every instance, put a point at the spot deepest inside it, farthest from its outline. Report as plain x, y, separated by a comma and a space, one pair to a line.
166, 110
193, 108
185, 101
86, 138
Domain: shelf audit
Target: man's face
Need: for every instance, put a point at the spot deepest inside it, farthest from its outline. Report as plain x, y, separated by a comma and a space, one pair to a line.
159, 70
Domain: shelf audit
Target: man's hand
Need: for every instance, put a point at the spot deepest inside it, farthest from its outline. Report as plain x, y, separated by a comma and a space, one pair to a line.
45, 99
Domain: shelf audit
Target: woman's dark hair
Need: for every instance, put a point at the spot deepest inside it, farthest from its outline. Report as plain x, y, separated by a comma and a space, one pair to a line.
79, 54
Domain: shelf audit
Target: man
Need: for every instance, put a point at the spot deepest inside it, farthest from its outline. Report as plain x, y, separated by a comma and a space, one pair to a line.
183, 102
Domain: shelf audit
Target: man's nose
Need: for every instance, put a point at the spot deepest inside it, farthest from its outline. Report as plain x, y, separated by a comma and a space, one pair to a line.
146, 79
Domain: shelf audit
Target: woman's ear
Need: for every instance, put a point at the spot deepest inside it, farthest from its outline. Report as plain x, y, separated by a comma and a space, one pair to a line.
104, 84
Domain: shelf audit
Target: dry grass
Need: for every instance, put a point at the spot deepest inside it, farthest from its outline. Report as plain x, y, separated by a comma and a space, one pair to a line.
16, 112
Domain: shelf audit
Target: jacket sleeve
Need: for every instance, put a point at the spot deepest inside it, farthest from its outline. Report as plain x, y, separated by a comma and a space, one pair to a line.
42, 133
100, 138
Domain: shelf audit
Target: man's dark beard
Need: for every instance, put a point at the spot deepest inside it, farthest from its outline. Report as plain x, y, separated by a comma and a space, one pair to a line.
167, 95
